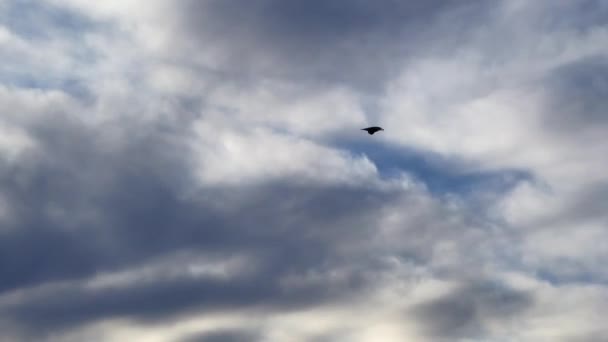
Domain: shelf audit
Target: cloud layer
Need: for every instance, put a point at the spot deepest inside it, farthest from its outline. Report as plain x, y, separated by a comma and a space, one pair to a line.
195, 170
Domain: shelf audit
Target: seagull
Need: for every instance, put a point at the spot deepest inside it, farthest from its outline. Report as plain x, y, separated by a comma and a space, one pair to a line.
373, 129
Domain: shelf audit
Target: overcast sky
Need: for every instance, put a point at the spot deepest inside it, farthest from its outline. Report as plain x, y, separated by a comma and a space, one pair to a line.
194, 170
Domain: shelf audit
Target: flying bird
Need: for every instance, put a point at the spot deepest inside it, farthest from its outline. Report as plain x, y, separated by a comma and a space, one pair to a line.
373, 129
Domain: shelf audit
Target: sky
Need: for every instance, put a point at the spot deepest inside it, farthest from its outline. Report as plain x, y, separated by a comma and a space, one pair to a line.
195, 170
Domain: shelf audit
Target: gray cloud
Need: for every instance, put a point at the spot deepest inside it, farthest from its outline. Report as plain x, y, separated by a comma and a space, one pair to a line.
578, 96
224, 336
466, 312
358, 43
59, 203
79, 210
67, 308
105, 215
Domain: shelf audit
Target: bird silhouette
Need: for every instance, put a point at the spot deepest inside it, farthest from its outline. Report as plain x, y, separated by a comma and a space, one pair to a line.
373, 129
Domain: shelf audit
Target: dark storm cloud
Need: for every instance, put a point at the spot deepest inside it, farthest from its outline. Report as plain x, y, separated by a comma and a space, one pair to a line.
79, 208
361, 43
578, 96
226, 335
465, 312
53, 310
59, 200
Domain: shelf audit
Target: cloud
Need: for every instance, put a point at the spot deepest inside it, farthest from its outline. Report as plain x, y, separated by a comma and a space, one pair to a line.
315, 42
192, 170
469, 311
223, 336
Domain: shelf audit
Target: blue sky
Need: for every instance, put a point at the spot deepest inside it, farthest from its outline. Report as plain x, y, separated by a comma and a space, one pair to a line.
196, 171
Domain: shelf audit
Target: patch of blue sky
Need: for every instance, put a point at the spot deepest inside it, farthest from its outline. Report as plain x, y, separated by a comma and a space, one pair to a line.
33, 19
40, 25
572, 273
440, 174
76, 88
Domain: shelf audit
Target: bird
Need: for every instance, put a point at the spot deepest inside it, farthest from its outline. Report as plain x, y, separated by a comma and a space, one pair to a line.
373, 129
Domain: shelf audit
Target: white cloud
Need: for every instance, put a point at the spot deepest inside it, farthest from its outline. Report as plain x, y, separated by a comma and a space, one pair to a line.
228, 155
